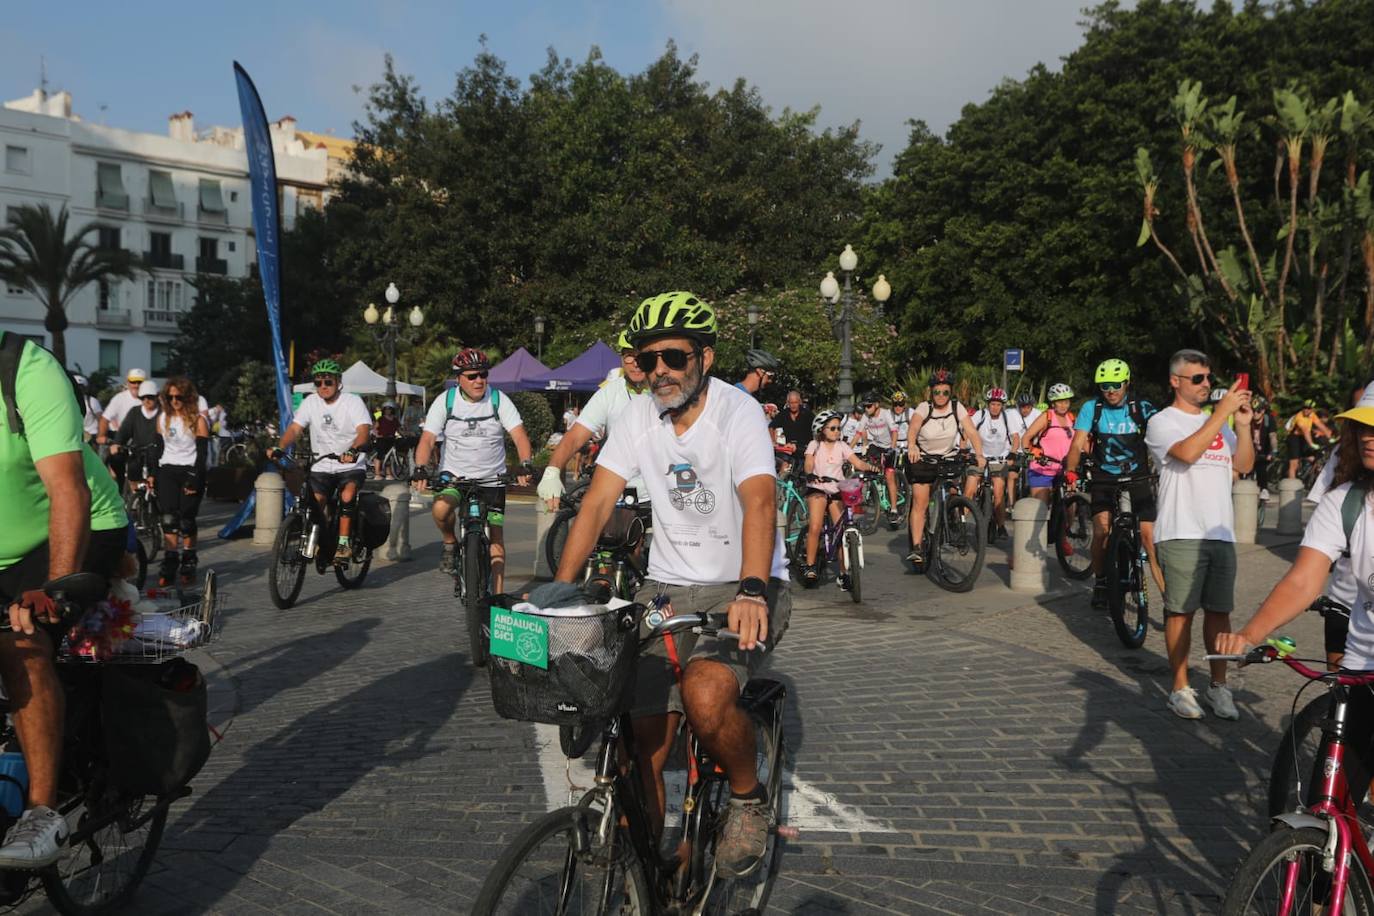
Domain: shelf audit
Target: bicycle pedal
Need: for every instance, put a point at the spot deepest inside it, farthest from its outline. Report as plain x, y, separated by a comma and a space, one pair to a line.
786, 832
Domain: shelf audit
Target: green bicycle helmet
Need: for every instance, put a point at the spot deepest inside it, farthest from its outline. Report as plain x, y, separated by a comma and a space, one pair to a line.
326, 367
1112, 371
622, 342
675, 314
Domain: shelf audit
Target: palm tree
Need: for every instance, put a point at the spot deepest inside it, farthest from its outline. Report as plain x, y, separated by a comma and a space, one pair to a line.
37, 256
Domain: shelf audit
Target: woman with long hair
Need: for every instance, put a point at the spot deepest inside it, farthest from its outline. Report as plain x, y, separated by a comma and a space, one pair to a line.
185, 437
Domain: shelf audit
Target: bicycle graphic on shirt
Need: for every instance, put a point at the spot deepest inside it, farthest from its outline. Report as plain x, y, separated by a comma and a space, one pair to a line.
686, 490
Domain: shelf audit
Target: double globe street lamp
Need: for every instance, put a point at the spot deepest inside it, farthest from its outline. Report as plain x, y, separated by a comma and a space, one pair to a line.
839, 309
387, 328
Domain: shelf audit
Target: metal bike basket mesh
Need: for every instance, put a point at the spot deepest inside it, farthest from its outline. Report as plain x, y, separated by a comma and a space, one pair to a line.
591, 662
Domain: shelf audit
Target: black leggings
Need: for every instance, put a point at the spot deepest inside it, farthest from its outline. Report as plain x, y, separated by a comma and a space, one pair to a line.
178, 509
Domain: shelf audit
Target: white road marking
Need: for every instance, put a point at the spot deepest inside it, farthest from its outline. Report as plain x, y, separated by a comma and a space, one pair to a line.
804, 806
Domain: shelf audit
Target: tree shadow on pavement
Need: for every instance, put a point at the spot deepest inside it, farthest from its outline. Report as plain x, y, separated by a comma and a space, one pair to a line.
1189, 797
311, 763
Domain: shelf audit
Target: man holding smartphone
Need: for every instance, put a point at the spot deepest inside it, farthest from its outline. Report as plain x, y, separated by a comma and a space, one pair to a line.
1195, 522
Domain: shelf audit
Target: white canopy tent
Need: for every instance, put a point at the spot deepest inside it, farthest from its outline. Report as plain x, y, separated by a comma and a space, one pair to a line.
359, 378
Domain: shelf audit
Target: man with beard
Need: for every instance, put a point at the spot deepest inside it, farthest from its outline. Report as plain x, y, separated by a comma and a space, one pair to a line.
703, 450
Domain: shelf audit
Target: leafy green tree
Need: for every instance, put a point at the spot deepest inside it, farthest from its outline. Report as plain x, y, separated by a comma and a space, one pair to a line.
37, 255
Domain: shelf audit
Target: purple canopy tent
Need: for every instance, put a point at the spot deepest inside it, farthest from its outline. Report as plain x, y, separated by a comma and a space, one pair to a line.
585, 372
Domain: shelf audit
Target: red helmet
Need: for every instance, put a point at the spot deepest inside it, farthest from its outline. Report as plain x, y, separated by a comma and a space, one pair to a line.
470, 358
942, 376
995, 394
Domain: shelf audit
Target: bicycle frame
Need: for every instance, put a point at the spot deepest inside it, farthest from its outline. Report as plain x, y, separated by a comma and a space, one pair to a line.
1335, 807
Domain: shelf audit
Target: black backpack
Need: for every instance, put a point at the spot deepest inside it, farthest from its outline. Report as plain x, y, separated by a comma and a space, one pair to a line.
1142, 455
11, 352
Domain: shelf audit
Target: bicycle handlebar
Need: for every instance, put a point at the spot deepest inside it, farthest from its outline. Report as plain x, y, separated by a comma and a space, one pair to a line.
1269, 652
700, 623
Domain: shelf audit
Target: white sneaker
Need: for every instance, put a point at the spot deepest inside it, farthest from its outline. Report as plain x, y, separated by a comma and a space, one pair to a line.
1218, 696
1183, 703
35, 840
1264, 495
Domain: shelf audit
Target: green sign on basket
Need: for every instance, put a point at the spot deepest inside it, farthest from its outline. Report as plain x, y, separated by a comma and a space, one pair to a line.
520, 637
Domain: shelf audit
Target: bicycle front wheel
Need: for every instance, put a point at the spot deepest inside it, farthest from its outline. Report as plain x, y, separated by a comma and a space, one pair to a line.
286, 575
475, 601
1074, 545
872, 507
1126, 596
1284, 874
559, 865
352, 575
149, 525
955, 557
114, 843
794, 530
853, 555
557, 536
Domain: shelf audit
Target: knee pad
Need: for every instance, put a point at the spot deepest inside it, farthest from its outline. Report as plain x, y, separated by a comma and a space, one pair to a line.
170, 522
349, 508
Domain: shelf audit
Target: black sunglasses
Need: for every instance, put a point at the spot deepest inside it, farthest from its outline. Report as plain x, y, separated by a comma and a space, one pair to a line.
175, 397
832, 429
149, 397
673, 359
476, 374
324, 380
941, 392
1198, 378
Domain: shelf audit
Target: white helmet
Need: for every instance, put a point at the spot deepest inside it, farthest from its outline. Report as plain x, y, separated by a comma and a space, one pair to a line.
1060, 392
388, 403
147, 389
822, 418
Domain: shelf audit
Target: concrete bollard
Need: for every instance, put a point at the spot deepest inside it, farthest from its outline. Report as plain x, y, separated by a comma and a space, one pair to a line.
397, 548
1290, 506
1030, 570
543, 520
1245, 500
270, 492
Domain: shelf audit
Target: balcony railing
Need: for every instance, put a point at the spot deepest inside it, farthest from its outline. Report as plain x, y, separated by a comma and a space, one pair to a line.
112, 200
164, 260
215, 217
212, 266
176, 212
113, 318
161, 318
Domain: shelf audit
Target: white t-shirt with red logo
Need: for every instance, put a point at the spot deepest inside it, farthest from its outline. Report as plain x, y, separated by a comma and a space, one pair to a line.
1194, 499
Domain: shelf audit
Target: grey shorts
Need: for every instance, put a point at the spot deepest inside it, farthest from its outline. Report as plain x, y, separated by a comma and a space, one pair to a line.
1198, 574
656, 688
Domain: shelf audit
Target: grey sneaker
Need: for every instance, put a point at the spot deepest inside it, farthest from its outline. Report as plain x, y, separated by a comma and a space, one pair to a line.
1183, 703
447, 566
35, 840
1218, 696
742, 837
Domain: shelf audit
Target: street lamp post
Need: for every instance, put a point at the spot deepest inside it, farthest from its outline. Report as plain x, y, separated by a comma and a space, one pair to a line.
391, 330
539, 336
839, 308
753, 313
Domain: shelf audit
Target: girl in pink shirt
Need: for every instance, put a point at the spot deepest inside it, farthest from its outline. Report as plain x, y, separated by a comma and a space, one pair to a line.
825, 457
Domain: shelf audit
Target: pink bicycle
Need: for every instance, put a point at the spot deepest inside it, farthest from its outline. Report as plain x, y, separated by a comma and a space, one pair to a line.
1317, 860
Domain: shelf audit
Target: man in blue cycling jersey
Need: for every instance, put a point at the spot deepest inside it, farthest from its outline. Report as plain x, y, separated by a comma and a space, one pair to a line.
1112, 426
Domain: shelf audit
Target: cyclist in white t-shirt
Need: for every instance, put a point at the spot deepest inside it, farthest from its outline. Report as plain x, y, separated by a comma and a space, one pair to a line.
595, 421
703, 449
938, 428
877, 443
339, 424
474, 420
1325, 543
1001, 435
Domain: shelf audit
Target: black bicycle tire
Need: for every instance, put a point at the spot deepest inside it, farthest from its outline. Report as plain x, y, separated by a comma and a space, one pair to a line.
557, 536
475, 605
853, 544
152, 527
574, 740
61, 899
777, 756
867, 520
1122, 559
351, 582
283, 599
935, 567
1282, 776
142, 555
508, 863
1278, 847
1085, 506
797, 519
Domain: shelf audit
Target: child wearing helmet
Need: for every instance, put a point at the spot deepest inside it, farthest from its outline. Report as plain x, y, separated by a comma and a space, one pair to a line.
825, 459
1049, 438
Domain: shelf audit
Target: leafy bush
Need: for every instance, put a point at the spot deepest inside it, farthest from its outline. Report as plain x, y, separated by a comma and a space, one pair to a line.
538, 416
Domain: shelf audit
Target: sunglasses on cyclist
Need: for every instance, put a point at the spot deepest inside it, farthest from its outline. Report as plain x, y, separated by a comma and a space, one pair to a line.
175, 397
476, 374
1112, 386
832, 429
672, 358
324, 381
1197, 378
149, 397
941, 392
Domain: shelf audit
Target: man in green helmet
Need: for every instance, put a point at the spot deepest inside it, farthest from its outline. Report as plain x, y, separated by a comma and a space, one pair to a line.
703, 450
339, 424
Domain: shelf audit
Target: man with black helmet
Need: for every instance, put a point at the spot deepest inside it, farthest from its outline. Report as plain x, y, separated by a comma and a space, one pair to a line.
763, 368
703, 450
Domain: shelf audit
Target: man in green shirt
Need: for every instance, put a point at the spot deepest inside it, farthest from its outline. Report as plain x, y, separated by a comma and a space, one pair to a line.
60, 513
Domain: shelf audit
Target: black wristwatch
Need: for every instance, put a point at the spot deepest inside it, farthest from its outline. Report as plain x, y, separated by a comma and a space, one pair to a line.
752, 587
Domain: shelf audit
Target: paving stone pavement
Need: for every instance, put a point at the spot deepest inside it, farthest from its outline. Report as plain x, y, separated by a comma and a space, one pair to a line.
1017, 758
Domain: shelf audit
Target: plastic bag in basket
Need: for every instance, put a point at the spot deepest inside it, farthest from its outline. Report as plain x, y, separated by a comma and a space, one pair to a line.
851, 491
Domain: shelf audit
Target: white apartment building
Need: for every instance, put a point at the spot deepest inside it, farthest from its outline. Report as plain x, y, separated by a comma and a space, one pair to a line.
180, 203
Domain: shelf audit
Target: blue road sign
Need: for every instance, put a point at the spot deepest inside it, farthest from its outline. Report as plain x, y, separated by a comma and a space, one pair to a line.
1014, 360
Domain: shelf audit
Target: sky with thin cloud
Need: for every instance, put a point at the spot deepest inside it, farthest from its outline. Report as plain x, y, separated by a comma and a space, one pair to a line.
879, 62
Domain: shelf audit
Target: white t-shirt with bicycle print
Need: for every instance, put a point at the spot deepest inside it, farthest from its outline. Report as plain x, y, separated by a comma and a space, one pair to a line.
474, 433
692, 481
333, 427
